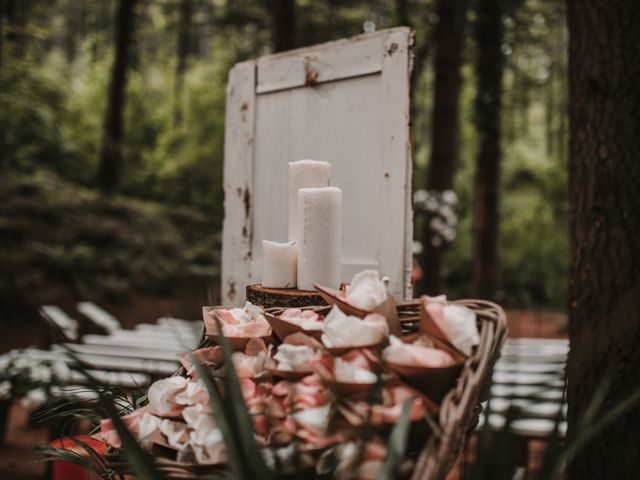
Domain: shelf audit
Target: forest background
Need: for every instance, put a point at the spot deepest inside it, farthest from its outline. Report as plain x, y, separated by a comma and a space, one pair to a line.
138, 228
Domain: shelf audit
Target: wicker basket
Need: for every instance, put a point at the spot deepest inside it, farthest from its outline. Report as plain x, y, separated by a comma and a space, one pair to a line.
459, 410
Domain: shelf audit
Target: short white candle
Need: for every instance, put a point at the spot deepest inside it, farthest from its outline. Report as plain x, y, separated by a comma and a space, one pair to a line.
304, 174
279, 264
319, 237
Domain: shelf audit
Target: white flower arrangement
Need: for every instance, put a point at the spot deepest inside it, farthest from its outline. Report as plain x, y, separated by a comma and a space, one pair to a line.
24, 376
439, 209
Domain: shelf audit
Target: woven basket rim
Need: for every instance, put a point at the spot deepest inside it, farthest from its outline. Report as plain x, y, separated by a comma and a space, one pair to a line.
459, 409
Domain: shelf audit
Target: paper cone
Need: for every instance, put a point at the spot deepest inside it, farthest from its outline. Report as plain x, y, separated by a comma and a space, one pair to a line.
337, 351
284, 328
238, 344
388, 310
330, 295
433, 382
349, 389
291, 375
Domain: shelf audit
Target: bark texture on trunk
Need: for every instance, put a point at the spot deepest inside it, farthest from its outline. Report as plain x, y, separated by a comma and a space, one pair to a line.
182, 52
402, 12
111, 151
449, 40
284, 21
2, 7
488, 33
604, 175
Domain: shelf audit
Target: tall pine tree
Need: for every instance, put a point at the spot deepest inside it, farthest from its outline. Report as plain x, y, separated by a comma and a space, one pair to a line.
604, 174
449, 40
109, 169
488, 34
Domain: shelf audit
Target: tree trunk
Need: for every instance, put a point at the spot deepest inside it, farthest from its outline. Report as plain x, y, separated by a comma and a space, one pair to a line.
402, 12
488, 33
284, 22
2, 7
71, 29
550, 110
111, 151
449, 40
16, 13
205, 31
182, 52
604, 174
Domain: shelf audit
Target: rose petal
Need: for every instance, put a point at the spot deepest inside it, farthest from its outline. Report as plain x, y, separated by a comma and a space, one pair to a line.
177, 433
248, 366
294, 357
461, 327
206, 356
366, 291
343, 330
237, 322
307, 319
349, 373
162, 394
415, 355
315, 420
148, 425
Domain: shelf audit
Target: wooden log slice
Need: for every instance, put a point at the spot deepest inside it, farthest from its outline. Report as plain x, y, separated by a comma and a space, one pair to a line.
282, 297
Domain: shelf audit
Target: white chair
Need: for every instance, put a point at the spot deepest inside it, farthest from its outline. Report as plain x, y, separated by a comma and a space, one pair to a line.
62, 323
98, 316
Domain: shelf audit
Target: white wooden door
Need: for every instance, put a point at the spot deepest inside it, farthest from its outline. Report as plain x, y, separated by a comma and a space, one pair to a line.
345, 102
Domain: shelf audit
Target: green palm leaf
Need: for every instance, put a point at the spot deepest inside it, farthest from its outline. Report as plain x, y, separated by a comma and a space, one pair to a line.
230, 412
397, 445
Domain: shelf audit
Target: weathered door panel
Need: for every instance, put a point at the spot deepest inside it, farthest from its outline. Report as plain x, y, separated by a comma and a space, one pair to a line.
347, 103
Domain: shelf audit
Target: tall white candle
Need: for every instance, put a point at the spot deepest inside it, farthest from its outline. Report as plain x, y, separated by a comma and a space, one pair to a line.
304, 174
279, 264
319, 237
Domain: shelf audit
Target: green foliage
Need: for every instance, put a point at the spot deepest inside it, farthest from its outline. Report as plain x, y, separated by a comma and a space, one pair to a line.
32, 108
140, 461
53, 233
494, 457
53, 83
245, 459
52, 454
112, 404
533, 243
397, 446
185, 167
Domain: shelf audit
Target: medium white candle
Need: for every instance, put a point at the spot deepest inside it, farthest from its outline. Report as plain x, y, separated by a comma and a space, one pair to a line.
279, 264
304, 174
319, 237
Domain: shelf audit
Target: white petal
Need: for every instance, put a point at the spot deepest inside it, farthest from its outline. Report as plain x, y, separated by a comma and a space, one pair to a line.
148, 424
192, 394
294, 357
461, 328
162, 394
348, 331
176, 433
415, 354
316, 418
200, 419
349, 373
366, 290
